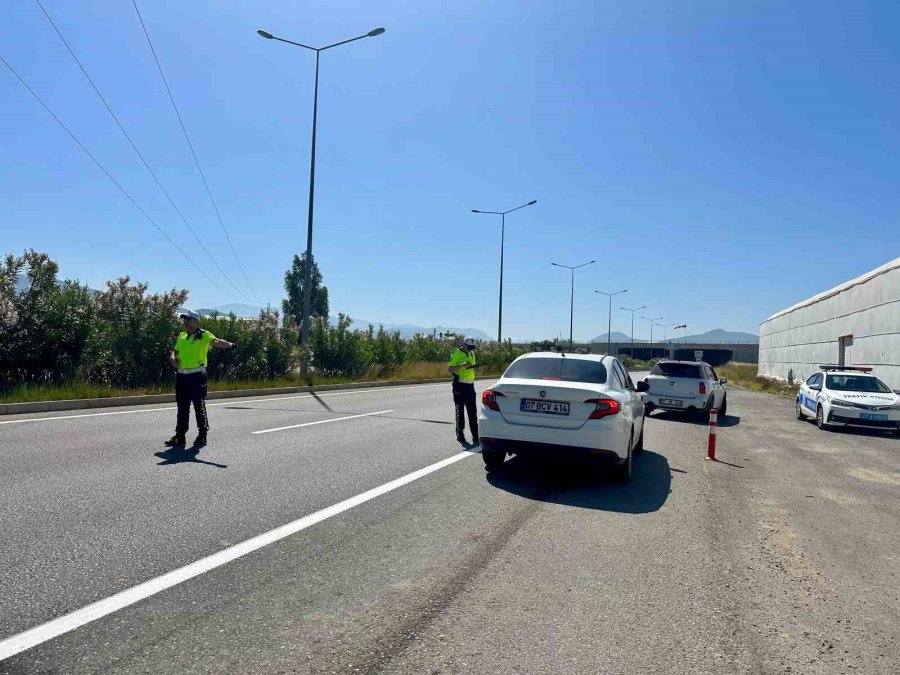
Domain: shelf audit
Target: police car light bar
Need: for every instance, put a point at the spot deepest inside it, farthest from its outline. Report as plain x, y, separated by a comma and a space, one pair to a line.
834, 366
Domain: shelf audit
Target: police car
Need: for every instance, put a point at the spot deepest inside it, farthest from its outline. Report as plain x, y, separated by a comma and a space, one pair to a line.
847, 396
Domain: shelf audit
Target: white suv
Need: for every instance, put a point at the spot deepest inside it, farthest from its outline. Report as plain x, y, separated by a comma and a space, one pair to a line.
690, 386
847, 396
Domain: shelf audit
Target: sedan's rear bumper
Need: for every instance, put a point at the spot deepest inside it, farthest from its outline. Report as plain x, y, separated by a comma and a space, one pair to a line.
550, 450
596, 437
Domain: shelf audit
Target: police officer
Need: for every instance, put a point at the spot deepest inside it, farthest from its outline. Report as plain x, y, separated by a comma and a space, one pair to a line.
189, 360
462, 367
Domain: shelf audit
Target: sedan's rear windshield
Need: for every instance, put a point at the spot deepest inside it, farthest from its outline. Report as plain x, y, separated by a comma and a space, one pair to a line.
677, 370
558, 368
862, 383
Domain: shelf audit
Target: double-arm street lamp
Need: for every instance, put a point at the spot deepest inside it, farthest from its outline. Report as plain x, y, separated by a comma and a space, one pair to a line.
572, 297
502, 215
665, 327
628, 309
651, 331
609, 316
307, 282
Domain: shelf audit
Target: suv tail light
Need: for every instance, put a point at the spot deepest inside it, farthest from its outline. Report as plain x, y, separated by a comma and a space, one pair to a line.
703, 387
604, 407
489, 399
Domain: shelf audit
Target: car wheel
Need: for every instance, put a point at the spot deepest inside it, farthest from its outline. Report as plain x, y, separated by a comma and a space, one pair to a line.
724, 409
820, 419
622, 472
800, 415
640, 444
493, 459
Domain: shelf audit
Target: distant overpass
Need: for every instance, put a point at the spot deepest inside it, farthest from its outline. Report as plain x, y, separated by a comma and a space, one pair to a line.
713, 353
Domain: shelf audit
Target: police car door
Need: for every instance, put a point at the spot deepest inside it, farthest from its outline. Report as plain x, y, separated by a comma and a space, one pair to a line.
809, 393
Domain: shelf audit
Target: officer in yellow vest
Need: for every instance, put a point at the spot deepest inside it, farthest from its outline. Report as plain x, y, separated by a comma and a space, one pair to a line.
462, 367
189, 360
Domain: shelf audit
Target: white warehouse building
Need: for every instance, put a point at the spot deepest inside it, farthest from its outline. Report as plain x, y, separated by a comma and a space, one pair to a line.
856, 323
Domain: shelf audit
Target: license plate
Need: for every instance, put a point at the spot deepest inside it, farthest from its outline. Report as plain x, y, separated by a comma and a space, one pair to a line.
546, 407
669, 401
870, 416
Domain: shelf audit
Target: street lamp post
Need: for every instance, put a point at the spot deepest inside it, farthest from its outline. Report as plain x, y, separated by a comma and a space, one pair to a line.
572, 297
502, 215
665, 327
609, 316
627, 309
307, 283
651, 331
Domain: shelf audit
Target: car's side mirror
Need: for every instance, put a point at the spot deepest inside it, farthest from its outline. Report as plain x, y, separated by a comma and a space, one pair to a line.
897, 391
723, 381
642, 386
816, 387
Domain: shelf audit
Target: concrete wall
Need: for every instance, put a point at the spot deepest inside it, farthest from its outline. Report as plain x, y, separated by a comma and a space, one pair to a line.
808, 334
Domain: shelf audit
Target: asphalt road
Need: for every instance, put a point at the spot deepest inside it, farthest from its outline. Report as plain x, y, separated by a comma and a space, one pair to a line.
782, 557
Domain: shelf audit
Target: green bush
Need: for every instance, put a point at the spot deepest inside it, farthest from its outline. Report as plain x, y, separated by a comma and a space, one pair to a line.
264, 350
47, 331
52, 333
338, 351
56, 336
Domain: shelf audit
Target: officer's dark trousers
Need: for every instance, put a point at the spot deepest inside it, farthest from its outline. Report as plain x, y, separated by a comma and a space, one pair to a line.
191, 389
464, 401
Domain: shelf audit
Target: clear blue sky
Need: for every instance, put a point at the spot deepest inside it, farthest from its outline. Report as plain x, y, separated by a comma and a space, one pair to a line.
721, 160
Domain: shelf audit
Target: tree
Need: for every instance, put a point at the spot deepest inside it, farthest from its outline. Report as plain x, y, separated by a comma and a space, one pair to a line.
47, 330
139, 330
294, 279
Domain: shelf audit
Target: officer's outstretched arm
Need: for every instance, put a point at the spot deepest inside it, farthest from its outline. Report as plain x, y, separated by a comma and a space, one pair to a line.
222, 344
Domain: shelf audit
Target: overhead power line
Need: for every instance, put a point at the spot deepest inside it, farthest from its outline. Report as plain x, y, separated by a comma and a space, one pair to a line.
109, 175
193, 154
136, 150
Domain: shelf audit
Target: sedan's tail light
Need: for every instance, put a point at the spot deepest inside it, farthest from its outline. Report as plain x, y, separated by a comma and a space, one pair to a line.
604, 407
489, 399
703, 387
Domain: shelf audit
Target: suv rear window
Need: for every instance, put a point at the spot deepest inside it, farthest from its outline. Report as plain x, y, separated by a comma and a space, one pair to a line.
558, 368
677, 370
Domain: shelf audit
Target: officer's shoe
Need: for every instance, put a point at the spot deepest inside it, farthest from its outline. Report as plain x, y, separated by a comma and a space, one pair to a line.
200, 441
475, 440
175, 441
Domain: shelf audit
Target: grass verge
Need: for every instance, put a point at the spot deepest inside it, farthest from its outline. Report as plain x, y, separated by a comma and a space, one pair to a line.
745, 375
76, 390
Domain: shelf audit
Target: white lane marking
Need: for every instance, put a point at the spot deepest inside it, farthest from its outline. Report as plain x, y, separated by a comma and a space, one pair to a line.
233, 401
69, 622
334, 419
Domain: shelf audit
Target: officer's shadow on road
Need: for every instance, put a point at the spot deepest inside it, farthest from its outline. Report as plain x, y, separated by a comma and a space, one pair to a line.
572, 485
183, 453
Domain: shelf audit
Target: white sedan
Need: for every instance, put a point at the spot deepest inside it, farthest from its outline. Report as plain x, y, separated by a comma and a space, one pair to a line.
841, 396
563, 405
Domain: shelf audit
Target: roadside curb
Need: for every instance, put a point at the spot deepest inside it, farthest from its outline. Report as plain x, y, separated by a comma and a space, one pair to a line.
147, 399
